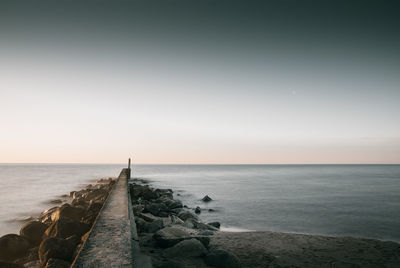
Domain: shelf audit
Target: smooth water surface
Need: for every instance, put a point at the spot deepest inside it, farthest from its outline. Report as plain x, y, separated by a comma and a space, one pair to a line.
26, 189
344, 200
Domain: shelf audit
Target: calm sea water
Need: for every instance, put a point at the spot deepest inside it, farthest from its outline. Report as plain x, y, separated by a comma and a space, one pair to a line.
343, 200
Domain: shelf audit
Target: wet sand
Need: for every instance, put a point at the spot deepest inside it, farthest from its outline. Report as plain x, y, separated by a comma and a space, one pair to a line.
271, 249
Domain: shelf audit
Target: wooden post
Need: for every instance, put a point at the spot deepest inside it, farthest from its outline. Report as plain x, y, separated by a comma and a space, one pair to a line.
129, 163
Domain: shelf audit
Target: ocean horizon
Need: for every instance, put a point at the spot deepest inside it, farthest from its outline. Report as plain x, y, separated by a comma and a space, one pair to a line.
360, 200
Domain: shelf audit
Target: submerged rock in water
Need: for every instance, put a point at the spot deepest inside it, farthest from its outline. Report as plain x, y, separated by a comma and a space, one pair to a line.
186, 248
222, 259
33, 231
12, 247
206, 199
197, 210
57, 248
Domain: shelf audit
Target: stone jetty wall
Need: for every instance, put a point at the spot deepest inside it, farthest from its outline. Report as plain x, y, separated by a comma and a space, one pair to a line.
109, 243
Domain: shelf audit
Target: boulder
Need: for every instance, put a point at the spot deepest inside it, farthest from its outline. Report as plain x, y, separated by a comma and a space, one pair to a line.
184, 215
156, 209
57, 263
12, 247
45, 217
215, 224
222, 259
206, 233
197, 210
164, 192
32, 264
143, 192
64, 228
203, 226
206, 199
142, 226
4, 264
57, 248
186, 248
33, 231
96, 195
170, 236
155, 226
74, 213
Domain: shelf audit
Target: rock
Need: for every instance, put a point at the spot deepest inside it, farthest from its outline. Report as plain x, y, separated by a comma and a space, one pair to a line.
170, 236
91, 214
33, 231
211, 210
96, 195
4, 264
222, 259
184, 215
79, 202
147, 217
156, 209
57, 248
45, 217
57, 263
12, 247
206, 199
164, 192
197, 210
56, 201
74, 213
186, 248
64, 228
167, 264
142, 226
203, 226
189, 223
32, 264
175, 220
206, 233
144, 192
215, 224
155, 226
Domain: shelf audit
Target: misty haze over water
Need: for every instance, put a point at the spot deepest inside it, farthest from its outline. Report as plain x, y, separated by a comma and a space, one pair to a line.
342, 200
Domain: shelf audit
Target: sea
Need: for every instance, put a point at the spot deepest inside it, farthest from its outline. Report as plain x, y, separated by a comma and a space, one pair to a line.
334, 200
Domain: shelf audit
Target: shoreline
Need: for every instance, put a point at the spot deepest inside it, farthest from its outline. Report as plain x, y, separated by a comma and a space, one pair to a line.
252, 248
54, 238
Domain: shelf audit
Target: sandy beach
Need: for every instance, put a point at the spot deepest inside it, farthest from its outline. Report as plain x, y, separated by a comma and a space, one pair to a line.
271, 249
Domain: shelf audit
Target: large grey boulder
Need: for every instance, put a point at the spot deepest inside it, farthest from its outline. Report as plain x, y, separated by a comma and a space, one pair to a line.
33, 231
56, 248
206, 199
170, 236
184, 215
12, 247
186, 248
222, 259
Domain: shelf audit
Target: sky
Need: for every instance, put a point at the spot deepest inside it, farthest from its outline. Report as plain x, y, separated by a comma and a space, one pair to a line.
200, 82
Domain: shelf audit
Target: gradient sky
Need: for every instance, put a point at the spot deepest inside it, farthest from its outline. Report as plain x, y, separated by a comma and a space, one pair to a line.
200, 81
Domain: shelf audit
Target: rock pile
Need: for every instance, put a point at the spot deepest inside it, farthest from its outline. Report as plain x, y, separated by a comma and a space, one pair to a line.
171, 234
54, 239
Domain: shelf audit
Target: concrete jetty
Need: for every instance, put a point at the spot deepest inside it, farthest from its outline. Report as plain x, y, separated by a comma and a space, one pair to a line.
109, 243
